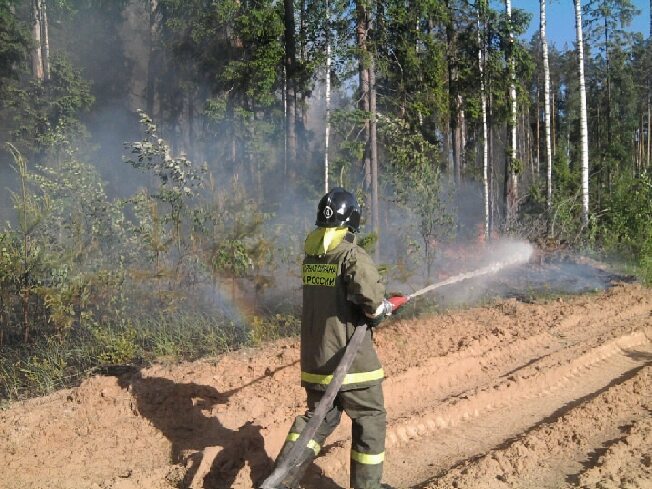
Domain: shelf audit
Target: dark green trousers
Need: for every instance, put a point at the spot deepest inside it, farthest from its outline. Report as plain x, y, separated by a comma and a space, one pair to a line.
366, 408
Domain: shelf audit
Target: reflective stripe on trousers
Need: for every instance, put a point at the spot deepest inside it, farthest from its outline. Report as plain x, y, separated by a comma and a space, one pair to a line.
367, 458
366, 409
355, 378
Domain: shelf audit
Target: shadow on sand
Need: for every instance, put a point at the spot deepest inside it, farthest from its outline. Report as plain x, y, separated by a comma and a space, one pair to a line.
180, 412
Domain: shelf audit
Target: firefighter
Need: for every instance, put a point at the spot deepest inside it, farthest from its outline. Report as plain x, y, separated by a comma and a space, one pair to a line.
341, 290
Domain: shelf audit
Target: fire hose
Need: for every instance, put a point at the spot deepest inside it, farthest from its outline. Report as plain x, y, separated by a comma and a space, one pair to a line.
289, 471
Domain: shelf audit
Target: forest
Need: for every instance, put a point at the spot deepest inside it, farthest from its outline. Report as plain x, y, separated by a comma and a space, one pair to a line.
161, 160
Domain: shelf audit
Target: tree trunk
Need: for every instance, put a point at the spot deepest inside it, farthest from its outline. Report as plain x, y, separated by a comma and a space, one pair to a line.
37, 56
363, 73
290, 68
608, 65
453, 93
649, 132
302, 108
328, 94
374, 155
511, 175
639, 149
373, 149
584, 136
538, 131
546, 105
492, 181
553, 120
45, 40
483, 101
187, 127
461, 128
154, 62
528, 141
285, 125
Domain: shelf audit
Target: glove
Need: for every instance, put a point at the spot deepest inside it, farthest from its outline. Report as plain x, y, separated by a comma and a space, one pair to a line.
394, 303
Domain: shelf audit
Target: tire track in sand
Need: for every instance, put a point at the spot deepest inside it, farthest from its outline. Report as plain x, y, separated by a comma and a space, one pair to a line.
452, 426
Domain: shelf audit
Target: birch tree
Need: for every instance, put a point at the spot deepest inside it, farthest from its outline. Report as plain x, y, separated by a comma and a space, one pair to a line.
546, 103
481, 8
328, 94
584, 133
36, 52
511, 175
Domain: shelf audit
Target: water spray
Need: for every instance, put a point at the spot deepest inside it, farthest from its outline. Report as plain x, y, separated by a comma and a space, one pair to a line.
523, 256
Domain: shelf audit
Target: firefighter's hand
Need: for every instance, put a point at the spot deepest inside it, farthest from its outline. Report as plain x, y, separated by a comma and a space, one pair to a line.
398, 301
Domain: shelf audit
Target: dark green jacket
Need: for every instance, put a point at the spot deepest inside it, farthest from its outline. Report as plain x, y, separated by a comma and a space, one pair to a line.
341, 289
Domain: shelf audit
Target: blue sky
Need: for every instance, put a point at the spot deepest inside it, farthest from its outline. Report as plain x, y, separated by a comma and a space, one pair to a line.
561, 19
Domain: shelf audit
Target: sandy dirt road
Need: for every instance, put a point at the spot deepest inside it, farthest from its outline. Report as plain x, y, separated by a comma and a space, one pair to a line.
547, 395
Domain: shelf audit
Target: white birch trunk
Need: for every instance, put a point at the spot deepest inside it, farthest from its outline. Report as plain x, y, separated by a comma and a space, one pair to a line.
511, 177
485, 148
546, 105
37, 56
328, 95
584, 134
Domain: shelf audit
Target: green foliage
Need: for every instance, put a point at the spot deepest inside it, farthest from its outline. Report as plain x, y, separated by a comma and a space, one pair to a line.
81, 271
114, 346
46, 113
86, 278
231, 256
627, 222
368, 242
645, 261
416, 180
412, 63
14, 42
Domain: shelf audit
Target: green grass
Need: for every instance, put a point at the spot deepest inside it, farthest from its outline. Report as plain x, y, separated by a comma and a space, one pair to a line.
50, 363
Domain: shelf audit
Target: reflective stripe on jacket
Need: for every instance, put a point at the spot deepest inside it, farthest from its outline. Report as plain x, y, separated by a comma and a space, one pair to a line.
341, 288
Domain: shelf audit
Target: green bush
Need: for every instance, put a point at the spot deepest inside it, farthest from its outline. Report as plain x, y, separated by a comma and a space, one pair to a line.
645, 261
625, 229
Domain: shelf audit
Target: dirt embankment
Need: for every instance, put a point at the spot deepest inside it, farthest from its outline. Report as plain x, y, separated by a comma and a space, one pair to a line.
516, 395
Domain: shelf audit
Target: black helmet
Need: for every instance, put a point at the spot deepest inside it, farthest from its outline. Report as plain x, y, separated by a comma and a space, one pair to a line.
338, 208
